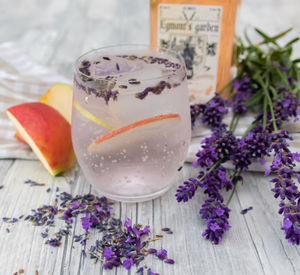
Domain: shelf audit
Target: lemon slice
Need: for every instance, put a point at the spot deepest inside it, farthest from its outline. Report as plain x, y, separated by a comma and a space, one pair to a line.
90, 116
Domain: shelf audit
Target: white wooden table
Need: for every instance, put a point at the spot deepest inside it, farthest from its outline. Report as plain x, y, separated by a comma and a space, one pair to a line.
54, 33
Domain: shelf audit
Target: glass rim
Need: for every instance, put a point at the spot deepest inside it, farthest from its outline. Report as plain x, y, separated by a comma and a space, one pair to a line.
155, 48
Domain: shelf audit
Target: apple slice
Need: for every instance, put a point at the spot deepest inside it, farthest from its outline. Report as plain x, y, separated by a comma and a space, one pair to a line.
59, 97
133, 132
48, 134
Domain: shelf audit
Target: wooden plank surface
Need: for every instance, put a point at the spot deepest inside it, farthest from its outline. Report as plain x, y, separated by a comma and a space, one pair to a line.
254, 245
55, 33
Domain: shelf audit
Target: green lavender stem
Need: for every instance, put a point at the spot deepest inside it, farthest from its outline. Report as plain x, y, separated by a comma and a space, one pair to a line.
228, 85
267, 102
235, 123
236, 174
265, 113
231, 194
283, 78
232, 122
250, 127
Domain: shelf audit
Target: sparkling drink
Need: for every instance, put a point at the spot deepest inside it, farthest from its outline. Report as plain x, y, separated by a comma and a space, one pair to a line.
130, 120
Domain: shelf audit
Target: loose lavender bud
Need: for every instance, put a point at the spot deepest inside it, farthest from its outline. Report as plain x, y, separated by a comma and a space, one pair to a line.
169, 261
33, 183
152, 250
140, 271
165, 229
149, 272
246, 210
54, 242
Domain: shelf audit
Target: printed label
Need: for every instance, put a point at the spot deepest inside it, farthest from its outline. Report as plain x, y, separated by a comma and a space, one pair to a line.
193, 31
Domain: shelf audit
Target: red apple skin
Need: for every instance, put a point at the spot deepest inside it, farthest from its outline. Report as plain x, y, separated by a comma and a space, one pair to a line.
50, 132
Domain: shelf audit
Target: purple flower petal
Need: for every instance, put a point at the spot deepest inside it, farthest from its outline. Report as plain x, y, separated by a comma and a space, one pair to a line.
267, 172
108, 253
296, 157
85, 222
127, 223
146, 230
162, 254
236, 85
75, 204
220, 212
128, 263
287, 223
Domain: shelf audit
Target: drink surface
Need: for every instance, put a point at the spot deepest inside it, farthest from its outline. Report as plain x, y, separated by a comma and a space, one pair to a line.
142, 101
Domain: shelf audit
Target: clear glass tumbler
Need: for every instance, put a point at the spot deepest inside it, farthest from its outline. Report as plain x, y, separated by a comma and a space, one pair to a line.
131, 123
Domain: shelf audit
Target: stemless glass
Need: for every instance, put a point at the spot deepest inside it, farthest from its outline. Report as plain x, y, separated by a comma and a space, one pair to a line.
131, 123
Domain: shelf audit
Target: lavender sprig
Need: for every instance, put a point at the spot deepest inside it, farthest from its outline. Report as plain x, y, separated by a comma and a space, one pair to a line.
268, 84
285, 186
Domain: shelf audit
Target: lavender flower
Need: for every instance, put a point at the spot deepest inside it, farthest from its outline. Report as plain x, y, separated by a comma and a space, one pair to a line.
282, 154
291, 226
188, 189
213, 211
253, 147
216, 215
286, 108
218, 147
285, 189
196, 110
244, 92
214, 182
211, 113
208, 155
